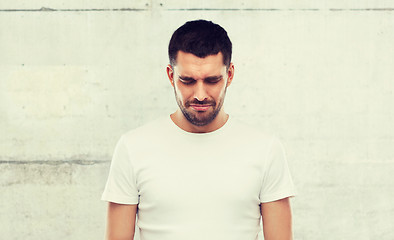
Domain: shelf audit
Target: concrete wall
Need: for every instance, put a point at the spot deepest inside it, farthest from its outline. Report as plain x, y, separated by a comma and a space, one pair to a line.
74, 75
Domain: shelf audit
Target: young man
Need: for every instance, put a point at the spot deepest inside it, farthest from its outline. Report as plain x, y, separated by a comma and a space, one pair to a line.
198, 173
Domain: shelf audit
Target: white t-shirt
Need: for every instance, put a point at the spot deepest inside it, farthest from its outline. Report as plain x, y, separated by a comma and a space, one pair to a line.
198, 185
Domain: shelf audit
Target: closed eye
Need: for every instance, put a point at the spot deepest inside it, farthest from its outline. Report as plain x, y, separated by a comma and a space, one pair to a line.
213, 81
187, 82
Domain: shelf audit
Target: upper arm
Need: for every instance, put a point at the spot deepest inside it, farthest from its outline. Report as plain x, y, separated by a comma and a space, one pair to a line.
277, 220
121, 221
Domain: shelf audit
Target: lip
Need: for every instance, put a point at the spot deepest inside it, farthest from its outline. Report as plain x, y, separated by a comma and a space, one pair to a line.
200, 108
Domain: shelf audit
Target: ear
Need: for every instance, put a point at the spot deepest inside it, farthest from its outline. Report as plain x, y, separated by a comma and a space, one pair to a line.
170, 74
230, 74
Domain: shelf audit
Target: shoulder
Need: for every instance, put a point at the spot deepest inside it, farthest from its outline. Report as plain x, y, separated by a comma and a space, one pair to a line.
252, 134
146, 132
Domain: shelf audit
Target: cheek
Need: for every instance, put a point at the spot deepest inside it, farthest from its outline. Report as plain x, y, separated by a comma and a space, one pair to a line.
181, 92
220, 92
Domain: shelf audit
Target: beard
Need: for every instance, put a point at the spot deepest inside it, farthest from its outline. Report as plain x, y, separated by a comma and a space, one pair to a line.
200, 118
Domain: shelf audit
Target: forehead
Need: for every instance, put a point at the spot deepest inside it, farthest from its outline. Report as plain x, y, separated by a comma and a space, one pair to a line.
190, 65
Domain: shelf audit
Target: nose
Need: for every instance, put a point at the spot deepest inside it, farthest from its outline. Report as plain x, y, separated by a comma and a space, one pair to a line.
200, 92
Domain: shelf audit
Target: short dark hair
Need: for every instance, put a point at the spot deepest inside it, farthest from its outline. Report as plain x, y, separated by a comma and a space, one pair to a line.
201, 38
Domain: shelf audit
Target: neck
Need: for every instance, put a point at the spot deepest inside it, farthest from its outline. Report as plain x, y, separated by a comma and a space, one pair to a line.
179, 119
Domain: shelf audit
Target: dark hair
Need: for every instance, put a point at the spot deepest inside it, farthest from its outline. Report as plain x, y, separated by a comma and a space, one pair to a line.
201, 38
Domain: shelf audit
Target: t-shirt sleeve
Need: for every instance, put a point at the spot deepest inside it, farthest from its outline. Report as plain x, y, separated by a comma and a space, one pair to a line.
121, 185
277, 182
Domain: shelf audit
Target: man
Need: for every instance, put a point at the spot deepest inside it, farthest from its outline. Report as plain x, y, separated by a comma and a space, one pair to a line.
198, 173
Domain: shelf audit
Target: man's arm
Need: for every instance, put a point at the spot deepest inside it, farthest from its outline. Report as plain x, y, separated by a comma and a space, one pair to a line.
277, 223
121, 221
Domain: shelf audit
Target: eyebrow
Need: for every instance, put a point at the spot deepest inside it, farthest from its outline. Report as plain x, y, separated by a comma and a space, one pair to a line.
212, 78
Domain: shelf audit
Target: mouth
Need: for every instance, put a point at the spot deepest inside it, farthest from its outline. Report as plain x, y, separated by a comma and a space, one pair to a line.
200, 107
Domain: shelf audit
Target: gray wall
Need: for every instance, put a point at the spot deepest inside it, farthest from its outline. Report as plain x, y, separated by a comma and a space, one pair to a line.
75, 75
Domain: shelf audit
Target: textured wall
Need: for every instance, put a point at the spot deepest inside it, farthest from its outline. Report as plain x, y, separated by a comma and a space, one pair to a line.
74, 75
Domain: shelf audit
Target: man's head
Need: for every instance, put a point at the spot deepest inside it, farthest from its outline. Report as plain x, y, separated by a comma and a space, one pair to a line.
200, 70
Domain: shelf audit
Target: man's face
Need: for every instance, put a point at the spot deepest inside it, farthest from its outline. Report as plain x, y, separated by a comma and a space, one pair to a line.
200, 86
